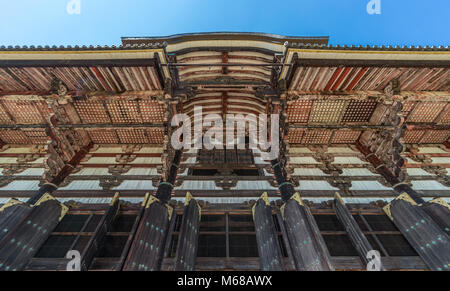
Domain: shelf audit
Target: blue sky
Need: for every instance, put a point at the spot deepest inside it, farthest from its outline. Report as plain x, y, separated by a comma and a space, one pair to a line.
103, 22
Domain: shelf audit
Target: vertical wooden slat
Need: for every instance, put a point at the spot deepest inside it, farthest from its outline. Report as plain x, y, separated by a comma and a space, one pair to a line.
188, 238
98, 238
270, 258
21, 244
130, 239
147, 250
424, 235
355, 234
308, 247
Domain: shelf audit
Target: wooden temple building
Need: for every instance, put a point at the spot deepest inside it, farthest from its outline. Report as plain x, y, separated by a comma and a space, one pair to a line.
86, 161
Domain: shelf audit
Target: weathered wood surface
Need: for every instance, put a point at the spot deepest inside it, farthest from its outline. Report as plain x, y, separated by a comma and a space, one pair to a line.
133, 231
266, 236
424, 235
98, 238
341, 264
148, 245
22, 243
355, 233
188, 239
439, 211
308, 247
11, 214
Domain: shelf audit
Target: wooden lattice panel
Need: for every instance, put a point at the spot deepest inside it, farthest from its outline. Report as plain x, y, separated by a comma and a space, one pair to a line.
124, 111
36, 136
100, 136
426, 112
359, 111
413, 136
435, 136
152, 111
25, 112
4, 117
317, 137
407, 107
155, 135
91, 112
295, 135
130, 136
345, 136
13, 137
445, 119
299, 110
328, 112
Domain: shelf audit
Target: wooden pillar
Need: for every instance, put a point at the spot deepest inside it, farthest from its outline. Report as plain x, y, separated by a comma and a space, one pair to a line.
14, 211
437, 211
424, 235
308, 247
270, 257
21, 244
98, 238
130, 239
146, 252
10, 214
355, 234
188, 239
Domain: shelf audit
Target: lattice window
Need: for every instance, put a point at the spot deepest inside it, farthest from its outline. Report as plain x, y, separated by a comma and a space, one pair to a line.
103, 136
359, 111
152, 111
426, 112
24, 112
435, 136
345, 136
155, 136
298, 111
130, 136
13, 137
317, 137
91, 112
36, 136
124, 111
413, 136
295, 135
328, 112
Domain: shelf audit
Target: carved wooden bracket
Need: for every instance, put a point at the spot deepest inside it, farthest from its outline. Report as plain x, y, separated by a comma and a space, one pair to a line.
125, 159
